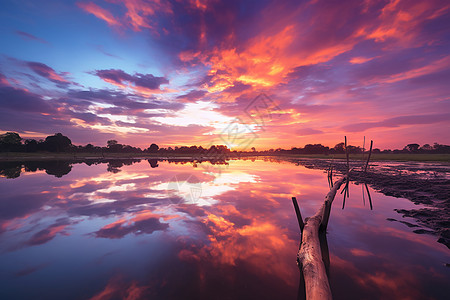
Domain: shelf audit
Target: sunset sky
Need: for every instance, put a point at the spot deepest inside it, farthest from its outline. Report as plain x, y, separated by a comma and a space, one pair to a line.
187, 72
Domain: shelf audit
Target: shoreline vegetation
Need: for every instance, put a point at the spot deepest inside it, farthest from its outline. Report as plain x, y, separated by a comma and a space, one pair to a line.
57, 146
31, 156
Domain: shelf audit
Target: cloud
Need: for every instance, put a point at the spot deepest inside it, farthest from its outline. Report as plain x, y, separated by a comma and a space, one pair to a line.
139, 13
29, 36
47, 234
23, 101
312, 57
398, 121
123, 103
99, 12
307, 131
118, 288
101, 48
136, 81
144, 222
193, 95
3, 80
47, 72
360, 60
29, 270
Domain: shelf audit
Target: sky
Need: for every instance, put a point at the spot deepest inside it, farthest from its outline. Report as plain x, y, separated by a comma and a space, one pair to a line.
263, 74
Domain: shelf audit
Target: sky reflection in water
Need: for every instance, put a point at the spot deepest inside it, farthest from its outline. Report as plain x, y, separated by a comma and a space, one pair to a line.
230, 234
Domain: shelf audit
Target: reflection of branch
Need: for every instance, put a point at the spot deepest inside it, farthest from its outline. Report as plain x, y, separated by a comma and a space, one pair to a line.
368, 194
362, 191
330, 175
297, 212
345, 194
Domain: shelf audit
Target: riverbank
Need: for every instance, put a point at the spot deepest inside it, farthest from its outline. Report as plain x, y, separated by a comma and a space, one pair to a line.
23, 156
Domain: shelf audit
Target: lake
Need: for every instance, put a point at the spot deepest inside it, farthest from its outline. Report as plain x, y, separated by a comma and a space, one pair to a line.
160, 230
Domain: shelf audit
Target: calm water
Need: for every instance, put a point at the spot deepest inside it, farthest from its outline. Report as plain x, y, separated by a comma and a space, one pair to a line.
228, 232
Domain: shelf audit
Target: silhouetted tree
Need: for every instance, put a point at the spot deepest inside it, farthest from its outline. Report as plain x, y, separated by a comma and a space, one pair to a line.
316, 149
339, 148
57, 143
10, 141
114, 146
426, 147
153, 148
31, 145
89, 148
412, 147
441, 149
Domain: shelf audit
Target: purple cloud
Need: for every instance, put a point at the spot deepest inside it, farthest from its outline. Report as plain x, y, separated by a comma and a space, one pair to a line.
192, 95
307, 131
398, 121
47, 72
120, 229
120, 77
29, 36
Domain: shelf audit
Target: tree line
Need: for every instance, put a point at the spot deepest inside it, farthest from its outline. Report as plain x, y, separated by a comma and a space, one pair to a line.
12, 142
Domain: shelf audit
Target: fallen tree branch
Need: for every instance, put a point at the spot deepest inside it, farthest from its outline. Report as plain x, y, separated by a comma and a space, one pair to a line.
309, 256
313, 257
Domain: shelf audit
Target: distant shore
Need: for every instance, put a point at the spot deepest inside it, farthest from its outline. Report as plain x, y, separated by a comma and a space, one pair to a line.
21, 156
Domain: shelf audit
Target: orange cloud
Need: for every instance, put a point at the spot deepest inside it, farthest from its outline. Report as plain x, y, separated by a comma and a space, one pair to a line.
400, 18
139, 11
262, 244
137, 15
99, 12
265, 60
117, 288
360, 60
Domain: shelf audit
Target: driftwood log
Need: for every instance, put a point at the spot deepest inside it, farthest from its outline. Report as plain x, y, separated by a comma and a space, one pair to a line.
309, 256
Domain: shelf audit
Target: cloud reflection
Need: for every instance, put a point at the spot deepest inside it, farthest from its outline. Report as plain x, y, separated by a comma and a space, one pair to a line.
246, 236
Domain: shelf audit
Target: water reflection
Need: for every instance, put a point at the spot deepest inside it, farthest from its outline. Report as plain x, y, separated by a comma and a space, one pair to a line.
59, 168
123, 234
